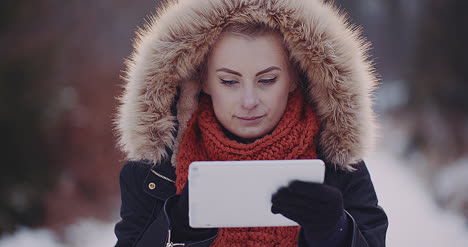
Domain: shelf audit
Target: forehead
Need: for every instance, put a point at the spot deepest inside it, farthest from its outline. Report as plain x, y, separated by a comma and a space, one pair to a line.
238, 51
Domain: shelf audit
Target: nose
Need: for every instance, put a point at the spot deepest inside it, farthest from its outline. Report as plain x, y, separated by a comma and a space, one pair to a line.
250, 98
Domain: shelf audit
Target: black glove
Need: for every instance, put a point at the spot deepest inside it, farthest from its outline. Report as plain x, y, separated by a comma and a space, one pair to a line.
181, 230
318, 208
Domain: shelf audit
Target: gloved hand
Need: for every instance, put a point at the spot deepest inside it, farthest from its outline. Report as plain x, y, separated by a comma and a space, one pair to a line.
178, 214
318, 208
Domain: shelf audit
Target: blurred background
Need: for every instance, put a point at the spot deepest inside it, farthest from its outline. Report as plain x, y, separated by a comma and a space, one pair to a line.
61, 63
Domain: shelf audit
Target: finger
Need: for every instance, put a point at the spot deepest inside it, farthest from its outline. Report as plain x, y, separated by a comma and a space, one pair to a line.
302, 207
280, 191
304, 217
274, 209
315, 191
304, 188
290, 214
283, 195
288, 198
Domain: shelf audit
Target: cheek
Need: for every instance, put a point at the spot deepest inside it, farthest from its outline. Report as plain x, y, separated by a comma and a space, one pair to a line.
276, 110
277, 101
223, 106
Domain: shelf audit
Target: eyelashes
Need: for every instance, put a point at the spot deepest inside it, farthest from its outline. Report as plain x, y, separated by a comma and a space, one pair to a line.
268, 81
262, 81
228, 82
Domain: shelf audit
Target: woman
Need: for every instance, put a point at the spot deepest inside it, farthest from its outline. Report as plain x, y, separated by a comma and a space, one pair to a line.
248, 80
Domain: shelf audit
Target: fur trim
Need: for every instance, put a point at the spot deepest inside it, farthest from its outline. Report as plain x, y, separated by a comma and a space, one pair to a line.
329, 50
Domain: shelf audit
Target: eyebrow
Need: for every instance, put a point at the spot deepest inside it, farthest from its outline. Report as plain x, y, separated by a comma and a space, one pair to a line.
239, 74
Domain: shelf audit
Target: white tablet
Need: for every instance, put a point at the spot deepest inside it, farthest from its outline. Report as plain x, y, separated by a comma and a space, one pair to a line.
238, 193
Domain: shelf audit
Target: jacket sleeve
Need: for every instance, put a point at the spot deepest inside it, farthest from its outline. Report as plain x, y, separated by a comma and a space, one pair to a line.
143, 212
367, 221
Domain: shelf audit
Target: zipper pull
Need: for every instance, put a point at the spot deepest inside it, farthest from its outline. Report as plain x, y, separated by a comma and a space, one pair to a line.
169, 242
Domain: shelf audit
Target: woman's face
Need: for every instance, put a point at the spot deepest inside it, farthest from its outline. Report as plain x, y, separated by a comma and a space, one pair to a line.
248, 79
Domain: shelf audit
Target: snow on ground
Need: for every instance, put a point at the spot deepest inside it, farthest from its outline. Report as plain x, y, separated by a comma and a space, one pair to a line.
414, 218
84, 233
27, 237
451, 185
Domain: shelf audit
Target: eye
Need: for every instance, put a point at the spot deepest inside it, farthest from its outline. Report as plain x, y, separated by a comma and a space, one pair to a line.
269, 80
228, 82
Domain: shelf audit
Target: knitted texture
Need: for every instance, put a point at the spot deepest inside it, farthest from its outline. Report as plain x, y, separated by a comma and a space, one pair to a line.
292, 138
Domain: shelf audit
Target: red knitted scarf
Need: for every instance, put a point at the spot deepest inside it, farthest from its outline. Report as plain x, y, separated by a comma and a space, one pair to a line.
292, 138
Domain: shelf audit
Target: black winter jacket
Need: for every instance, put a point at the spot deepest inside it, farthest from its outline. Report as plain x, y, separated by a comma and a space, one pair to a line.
145, 190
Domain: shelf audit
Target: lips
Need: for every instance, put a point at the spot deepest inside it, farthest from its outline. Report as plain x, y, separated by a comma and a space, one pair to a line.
250, 118
254, 120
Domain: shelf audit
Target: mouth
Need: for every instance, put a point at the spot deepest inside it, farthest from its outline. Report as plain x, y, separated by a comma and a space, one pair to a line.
251, 120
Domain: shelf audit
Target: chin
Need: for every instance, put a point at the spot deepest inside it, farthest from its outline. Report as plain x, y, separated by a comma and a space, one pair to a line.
251, 134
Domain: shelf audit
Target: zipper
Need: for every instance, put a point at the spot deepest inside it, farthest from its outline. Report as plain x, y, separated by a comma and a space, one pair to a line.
163, 177
169, 243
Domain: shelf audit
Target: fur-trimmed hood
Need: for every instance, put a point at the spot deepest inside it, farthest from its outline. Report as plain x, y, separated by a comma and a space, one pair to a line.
168, 50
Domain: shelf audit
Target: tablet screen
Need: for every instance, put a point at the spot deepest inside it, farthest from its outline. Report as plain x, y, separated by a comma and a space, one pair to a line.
238, 193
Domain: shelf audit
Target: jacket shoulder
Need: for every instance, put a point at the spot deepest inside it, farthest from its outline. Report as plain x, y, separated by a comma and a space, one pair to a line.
134, 171
341, 178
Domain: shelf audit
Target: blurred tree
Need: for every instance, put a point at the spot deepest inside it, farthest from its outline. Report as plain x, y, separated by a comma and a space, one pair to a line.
27, 168
390, 25
420, 49
438, 82
59, 76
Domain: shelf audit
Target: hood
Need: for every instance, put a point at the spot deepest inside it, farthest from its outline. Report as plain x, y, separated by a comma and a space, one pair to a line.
175, 41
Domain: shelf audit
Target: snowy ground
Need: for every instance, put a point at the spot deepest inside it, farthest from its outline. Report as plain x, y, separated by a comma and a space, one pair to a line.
84, 233
414, 218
